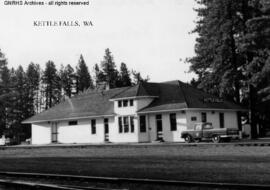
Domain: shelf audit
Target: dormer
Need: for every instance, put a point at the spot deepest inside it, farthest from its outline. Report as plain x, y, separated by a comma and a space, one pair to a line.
135, 98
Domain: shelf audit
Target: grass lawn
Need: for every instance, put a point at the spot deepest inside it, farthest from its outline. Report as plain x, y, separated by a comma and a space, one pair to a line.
201, 163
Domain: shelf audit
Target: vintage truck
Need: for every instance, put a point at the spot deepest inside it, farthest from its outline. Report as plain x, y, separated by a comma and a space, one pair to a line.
206, 131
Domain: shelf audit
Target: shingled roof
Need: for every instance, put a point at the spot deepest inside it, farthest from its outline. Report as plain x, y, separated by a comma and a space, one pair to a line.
90, 104
144, 89
173, 95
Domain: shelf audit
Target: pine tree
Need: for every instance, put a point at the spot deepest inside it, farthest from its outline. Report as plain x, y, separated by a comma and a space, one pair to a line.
67, 76
229, 54
137, 78
109, 69
124, 76
256, 47
33, 81
84, 80
3, 60
4, 92
51, 81
19, 109
218, 62
7, 95
99, 76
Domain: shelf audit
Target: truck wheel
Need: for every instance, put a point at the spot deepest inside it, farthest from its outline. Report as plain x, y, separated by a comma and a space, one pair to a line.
188, 139
216, 139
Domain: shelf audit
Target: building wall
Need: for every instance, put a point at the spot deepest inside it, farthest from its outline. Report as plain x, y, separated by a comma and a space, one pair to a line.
131, 110
81, 133
137, 136
124, 137
230, 118
168, 135
183, 120
41, 133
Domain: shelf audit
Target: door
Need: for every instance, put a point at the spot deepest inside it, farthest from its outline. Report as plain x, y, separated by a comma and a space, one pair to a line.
159, 127
106, 129
54, 130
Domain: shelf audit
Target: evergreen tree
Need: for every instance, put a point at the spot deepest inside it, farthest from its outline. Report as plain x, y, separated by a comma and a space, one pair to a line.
19, 110
231, 50
52, 85
67, 76
3, 60
137, 78
7, 95
4, 92
256, 47
124, 76
218, 62
99, 76
84, 80
33, 82
109, 69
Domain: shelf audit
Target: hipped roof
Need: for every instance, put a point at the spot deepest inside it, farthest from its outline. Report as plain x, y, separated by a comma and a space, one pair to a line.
173, 95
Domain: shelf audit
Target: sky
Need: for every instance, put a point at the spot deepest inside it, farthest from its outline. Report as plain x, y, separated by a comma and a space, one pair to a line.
150, 36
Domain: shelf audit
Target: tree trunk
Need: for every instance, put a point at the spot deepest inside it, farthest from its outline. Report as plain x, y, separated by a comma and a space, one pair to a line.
253, 119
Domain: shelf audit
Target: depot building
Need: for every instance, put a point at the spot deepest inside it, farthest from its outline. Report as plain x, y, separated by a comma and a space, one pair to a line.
146, 112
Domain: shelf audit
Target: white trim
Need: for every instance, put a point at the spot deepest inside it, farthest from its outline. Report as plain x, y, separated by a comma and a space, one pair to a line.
216, 109
69, 118
191, 109
159, 111
132, 97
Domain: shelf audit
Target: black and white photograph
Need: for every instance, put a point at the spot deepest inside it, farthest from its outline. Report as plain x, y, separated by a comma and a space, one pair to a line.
134, 94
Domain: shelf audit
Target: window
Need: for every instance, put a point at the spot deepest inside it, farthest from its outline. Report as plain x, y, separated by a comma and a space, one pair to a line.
126, 126
125, 103
159, 122
208, 126
120, 104
173, 122
204, 118
221, 120
131, 124
142, 124
73, 123
120, 124
93, 126
193, 118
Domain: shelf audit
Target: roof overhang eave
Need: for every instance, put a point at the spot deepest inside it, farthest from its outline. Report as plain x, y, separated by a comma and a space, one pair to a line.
66, 119
192, 109
132, 97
